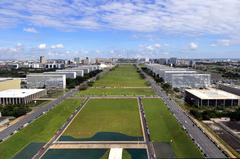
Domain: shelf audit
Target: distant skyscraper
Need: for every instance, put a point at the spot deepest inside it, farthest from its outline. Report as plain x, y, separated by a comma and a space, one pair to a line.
77, 59
43, 60
172, 61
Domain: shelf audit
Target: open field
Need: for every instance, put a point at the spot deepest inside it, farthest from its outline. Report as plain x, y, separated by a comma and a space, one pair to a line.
106, 116
165, 128
121, 76
40, 130
122, 80
116, 91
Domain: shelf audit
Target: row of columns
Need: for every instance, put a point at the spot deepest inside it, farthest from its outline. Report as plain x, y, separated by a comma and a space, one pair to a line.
23, 100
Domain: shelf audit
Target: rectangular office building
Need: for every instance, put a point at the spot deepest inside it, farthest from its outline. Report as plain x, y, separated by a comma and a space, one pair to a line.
71, 75
210, 97
167, 75
190, 80
48, 81
20, 96
78, 71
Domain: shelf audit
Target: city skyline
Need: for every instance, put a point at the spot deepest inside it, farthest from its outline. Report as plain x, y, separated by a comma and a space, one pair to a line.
136, 28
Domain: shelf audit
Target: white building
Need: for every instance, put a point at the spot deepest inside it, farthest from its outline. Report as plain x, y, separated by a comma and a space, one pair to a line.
71, 75
211, 97
20, 96
48, 81
167, 75
34, 65
77, 71
190, 80
180, 77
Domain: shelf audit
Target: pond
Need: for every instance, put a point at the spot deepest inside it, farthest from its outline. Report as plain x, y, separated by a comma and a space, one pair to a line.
104, 136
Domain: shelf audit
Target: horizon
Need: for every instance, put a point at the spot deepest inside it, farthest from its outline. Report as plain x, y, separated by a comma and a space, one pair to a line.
129, 28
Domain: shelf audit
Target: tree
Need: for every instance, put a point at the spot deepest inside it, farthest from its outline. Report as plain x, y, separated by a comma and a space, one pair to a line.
166, 86
176, 90
14, 110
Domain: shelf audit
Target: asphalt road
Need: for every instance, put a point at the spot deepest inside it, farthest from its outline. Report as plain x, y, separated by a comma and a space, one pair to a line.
38, 112
209, 149
146, 130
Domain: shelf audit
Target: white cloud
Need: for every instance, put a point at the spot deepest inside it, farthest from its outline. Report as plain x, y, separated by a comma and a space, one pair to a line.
42, 46
213, 45
193, 46
19, 44
191, 17
150, 47
157, 45
57, 46
30, 30
224, 42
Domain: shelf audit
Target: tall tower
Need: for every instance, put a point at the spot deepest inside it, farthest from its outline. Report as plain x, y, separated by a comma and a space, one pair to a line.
43, 60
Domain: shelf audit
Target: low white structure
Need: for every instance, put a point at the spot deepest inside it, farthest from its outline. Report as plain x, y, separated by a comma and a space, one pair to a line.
48, 81
211, 97
20, 96
115, 153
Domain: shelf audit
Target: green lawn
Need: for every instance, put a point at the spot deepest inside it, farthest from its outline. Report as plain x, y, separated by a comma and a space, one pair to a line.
106, 115
117, 91
164, 128
122, 76
106, 155
40, 130
126, 155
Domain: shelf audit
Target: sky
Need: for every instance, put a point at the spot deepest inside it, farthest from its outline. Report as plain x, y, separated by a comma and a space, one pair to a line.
119, 28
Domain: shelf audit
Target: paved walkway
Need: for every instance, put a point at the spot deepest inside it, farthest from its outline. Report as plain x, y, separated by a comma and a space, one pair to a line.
96, 146
112, 97
46, 99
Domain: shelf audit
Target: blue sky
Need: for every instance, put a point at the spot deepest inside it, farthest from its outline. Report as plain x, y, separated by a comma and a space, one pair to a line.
114, 28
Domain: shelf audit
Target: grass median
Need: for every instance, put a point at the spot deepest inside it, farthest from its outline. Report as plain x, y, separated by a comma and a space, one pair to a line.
40, 130
165, 128
117, 91
124, 75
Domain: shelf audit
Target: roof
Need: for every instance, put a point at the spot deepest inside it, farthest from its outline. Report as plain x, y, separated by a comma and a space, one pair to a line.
60, 72
212, 93
191, 74
42, 74
18, 93
179, 71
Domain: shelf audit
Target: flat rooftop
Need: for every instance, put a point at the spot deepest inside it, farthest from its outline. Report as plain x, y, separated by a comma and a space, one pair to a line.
211, 93
180, 71
42, 74
18, 93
